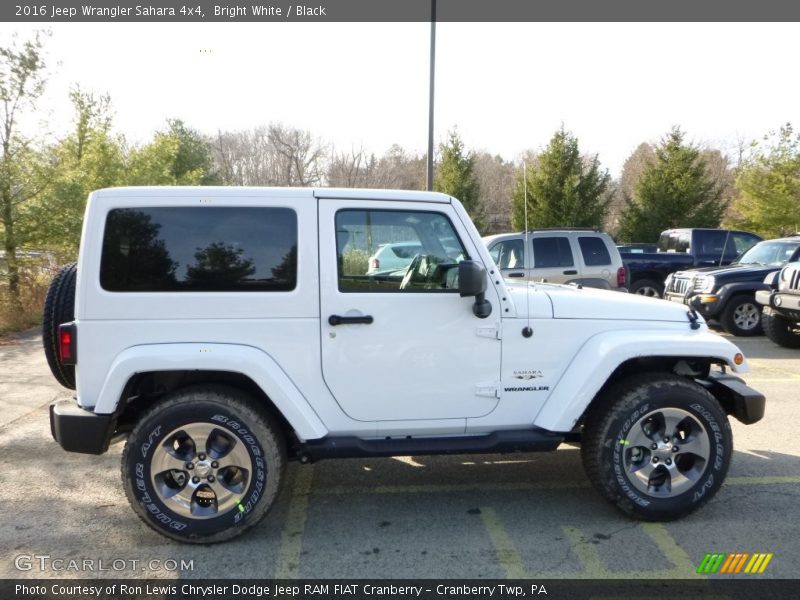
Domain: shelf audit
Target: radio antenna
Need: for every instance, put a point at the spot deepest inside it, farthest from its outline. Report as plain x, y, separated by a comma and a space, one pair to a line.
527, 331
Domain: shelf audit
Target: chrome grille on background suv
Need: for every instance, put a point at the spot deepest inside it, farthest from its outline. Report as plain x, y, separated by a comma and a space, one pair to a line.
679, 285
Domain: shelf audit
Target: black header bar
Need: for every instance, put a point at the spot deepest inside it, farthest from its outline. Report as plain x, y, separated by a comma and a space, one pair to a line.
179, 11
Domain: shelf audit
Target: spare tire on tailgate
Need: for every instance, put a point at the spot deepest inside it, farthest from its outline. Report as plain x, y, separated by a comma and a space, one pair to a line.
59, 307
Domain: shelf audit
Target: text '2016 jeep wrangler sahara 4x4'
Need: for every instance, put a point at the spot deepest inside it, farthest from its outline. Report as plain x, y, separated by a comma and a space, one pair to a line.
224, 331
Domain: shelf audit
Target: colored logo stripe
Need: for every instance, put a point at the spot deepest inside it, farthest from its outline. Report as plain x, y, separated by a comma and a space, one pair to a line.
733, 563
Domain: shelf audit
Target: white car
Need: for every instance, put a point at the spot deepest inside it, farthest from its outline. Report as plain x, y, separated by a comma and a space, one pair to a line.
223, 331
393, 257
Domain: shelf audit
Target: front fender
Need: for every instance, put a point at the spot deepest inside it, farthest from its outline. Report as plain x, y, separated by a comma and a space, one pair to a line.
247, 360
599, 357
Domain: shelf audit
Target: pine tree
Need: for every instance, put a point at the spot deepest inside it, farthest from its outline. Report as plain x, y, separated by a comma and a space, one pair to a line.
455, 176
564, 188
674, 190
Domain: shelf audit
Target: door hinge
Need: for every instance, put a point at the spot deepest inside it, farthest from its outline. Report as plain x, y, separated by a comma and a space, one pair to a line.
487, 391
492, 331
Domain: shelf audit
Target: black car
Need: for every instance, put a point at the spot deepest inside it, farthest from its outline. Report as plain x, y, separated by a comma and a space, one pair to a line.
727, 294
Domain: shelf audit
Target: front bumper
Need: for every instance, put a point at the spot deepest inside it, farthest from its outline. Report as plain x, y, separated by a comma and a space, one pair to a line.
79, 430
708, 305
737, 398
782, 302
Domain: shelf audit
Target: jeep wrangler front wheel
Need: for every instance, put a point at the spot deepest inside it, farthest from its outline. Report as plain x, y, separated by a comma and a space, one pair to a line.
657, 446
203, 465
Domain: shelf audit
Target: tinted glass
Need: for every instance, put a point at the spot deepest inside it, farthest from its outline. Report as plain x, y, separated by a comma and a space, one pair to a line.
426, 251
510, 254
197, 249
594, 251
552, 252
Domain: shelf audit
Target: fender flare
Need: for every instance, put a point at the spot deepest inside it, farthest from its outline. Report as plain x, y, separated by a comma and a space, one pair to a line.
600, 356
246, 360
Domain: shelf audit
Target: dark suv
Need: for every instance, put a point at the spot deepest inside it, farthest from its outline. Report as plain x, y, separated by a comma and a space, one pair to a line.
727, 294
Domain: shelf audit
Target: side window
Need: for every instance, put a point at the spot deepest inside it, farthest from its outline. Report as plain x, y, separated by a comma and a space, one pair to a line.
684, 242
552, 252
594, 251
396, 251
712, 243
199, 249
509, 254
740, 242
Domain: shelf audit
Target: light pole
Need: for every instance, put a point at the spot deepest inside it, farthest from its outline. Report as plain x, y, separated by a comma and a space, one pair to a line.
430, 98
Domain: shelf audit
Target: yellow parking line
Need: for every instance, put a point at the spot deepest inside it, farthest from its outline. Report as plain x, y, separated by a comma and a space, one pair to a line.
766, 480
670, 548
587, 555
294, 527
504, 549
765, 367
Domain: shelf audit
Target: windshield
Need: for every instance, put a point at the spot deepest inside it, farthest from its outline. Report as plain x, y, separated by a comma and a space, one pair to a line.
769, 253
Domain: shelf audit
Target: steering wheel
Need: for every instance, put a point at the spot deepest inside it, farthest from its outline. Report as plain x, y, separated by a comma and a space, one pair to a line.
414, 272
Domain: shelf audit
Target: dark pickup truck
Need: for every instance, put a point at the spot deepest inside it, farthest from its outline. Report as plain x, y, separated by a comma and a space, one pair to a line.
681, 249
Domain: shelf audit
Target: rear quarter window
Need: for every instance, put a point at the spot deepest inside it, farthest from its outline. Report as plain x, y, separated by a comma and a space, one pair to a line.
594, 251
199, 249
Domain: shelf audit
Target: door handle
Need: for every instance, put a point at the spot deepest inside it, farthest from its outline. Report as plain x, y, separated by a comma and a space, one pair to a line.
339, 320
516, 275
571, 272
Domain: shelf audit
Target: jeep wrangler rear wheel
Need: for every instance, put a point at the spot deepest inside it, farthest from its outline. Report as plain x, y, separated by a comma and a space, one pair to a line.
781, 330
657, 446
203, 465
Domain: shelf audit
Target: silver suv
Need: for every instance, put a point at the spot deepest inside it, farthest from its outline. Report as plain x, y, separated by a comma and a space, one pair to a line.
582, 256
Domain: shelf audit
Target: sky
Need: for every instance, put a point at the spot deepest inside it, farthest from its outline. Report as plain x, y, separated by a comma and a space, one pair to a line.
506, 87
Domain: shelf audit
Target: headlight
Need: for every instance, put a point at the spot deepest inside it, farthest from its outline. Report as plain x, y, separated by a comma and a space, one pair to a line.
772, 279
704, 284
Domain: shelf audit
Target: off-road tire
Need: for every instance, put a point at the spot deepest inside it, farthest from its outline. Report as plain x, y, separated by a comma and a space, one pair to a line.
238, 416
780, 330
609, 424
648, 288
728, 317
59, 307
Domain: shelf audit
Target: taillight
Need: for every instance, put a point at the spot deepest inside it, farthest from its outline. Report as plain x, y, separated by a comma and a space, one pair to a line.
375, 263
621, 278
67, 343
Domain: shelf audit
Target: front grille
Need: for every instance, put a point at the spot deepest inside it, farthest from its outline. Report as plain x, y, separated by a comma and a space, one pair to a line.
794, 279
679, 286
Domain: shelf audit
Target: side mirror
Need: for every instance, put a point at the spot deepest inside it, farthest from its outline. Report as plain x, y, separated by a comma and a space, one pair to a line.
472, 282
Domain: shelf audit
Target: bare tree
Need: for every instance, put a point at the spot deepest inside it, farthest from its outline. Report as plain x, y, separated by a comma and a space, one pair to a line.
496, 179
272, 155
625, 187
354, 169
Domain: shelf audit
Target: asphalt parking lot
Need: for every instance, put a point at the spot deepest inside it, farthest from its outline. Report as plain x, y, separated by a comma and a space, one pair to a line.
523, 515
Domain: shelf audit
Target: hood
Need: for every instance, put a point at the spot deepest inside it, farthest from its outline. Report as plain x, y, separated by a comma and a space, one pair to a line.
739, 272
572, 302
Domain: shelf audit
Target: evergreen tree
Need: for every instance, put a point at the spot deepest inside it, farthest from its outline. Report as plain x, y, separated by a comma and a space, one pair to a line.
674, 190
455, 176
86, 159
564, 189
178, 156
770, 186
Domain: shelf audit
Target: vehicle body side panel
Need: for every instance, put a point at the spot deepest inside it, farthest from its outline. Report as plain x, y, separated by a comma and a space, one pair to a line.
597, 359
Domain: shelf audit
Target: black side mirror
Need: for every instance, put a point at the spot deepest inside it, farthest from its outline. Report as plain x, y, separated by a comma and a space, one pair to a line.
472, 282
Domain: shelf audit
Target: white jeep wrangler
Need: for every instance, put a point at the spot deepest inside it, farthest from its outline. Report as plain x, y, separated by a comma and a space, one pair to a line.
224, 331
